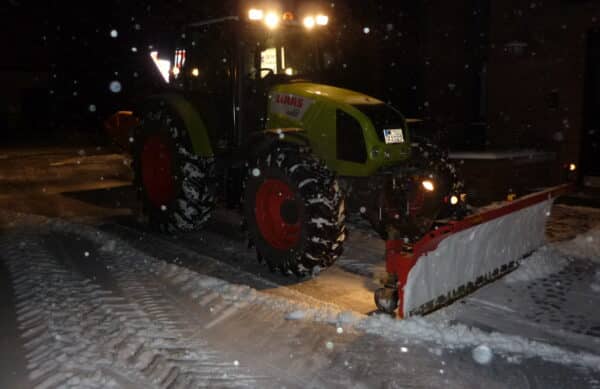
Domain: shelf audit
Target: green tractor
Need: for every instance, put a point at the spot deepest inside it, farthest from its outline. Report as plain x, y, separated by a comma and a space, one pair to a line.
243, 123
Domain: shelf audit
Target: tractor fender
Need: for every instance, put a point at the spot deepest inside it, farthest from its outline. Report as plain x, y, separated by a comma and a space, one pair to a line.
261, 142
185, 111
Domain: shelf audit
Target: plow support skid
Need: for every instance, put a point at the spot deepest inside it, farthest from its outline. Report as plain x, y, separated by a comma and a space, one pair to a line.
458, 257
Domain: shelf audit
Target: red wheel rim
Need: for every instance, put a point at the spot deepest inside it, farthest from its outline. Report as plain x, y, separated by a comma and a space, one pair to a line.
157, 171
270, 197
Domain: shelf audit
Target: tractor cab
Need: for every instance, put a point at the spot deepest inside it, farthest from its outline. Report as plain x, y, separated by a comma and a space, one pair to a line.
226, 67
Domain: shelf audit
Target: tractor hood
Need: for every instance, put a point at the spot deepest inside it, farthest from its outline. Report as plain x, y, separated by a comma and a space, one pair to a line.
324, 93
348, 129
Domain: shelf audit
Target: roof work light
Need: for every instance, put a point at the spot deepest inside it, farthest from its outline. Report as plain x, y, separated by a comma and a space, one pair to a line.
255, 14
273, 18
309, 22
322, 20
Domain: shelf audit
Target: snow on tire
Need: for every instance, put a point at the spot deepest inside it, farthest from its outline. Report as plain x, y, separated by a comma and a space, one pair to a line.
294, 210
176, 186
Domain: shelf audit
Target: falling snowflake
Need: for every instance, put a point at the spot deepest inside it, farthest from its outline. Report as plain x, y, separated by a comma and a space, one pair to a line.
114, 33
482, 354
115, 86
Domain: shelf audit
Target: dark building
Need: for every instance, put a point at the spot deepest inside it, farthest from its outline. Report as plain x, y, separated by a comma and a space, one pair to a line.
488, 75
502, 75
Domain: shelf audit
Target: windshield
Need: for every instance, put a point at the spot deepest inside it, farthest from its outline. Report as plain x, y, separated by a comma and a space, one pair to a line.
285, 52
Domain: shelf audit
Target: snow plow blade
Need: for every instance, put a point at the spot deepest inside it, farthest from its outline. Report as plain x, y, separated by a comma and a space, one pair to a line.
457, 257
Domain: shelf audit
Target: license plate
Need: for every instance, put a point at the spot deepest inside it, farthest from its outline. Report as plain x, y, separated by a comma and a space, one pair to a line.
393, 136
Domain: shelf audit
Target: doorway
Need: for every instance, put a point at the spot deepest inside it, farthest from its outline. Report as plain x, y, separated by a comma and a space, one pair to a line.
590, 151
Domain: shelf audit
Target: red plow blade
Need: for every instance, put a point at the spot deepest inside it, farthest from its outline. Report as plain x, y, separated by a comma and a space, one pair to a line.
457, 257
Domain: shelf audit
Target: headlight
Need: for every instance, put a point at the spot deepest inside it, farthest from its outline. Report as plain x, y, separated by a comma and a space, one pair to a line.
572, 167
453, 199
428, 185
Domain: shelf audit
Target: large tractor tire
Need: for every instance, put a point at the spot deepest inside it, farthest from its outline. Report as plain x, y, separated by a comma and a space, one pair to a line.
176, 186
295, 211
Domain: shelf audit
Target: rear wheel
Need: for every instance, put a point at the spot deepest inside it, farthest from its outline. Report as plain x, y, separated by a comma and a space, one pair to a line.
175, 185
295, 211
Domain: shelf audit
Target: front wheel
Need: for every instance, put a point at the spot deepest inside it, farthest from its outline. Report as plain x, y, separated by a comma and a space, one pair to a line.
295, 212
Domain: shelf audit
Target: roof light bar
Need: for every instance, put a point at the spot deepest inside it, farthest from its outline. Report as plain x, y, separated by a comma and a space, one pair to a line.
273, 18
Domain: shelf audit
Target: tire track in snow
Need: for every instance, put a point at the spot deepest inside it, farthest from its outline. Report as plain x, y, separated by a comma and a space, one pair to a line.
79, 335
304, 353
163, 247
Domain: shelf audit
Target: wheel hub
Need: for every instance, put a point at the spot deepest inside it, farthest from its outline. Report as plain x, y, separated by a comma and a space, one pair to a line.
289, 212
157, 171
278, 214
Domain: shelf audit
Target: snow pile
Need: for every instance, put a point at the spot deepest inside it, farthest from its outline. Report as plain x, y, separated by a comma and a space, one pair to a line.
585, 246
296, 315
540, 264
553, 258
486, 345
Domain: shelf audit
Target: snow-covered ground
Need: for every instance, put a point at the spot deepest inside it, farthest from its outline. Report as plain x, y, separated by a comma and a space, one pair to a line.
109, 304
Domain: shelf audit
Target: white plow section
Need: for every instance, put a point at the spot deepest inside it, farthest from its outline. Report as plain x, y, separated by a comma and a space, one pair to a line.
475, 253
458, 257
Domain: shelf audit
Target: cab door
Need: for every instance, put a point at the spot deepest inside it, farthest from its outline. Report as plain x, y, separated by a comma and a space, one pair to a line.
206, 76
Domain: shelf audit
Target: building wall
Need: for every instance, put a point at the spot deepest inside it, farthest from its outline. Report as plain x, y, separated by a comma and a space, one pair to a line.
536, 92
530, 57
445, 61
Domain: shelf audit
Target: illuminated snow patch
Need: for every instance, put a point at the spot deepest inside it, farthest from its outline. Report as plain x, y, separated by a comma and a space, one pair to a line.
586, 246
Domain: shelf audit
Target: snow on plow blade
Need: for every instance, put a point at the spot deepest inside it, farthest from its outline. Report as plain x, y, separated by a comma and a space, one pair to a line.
458, 257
